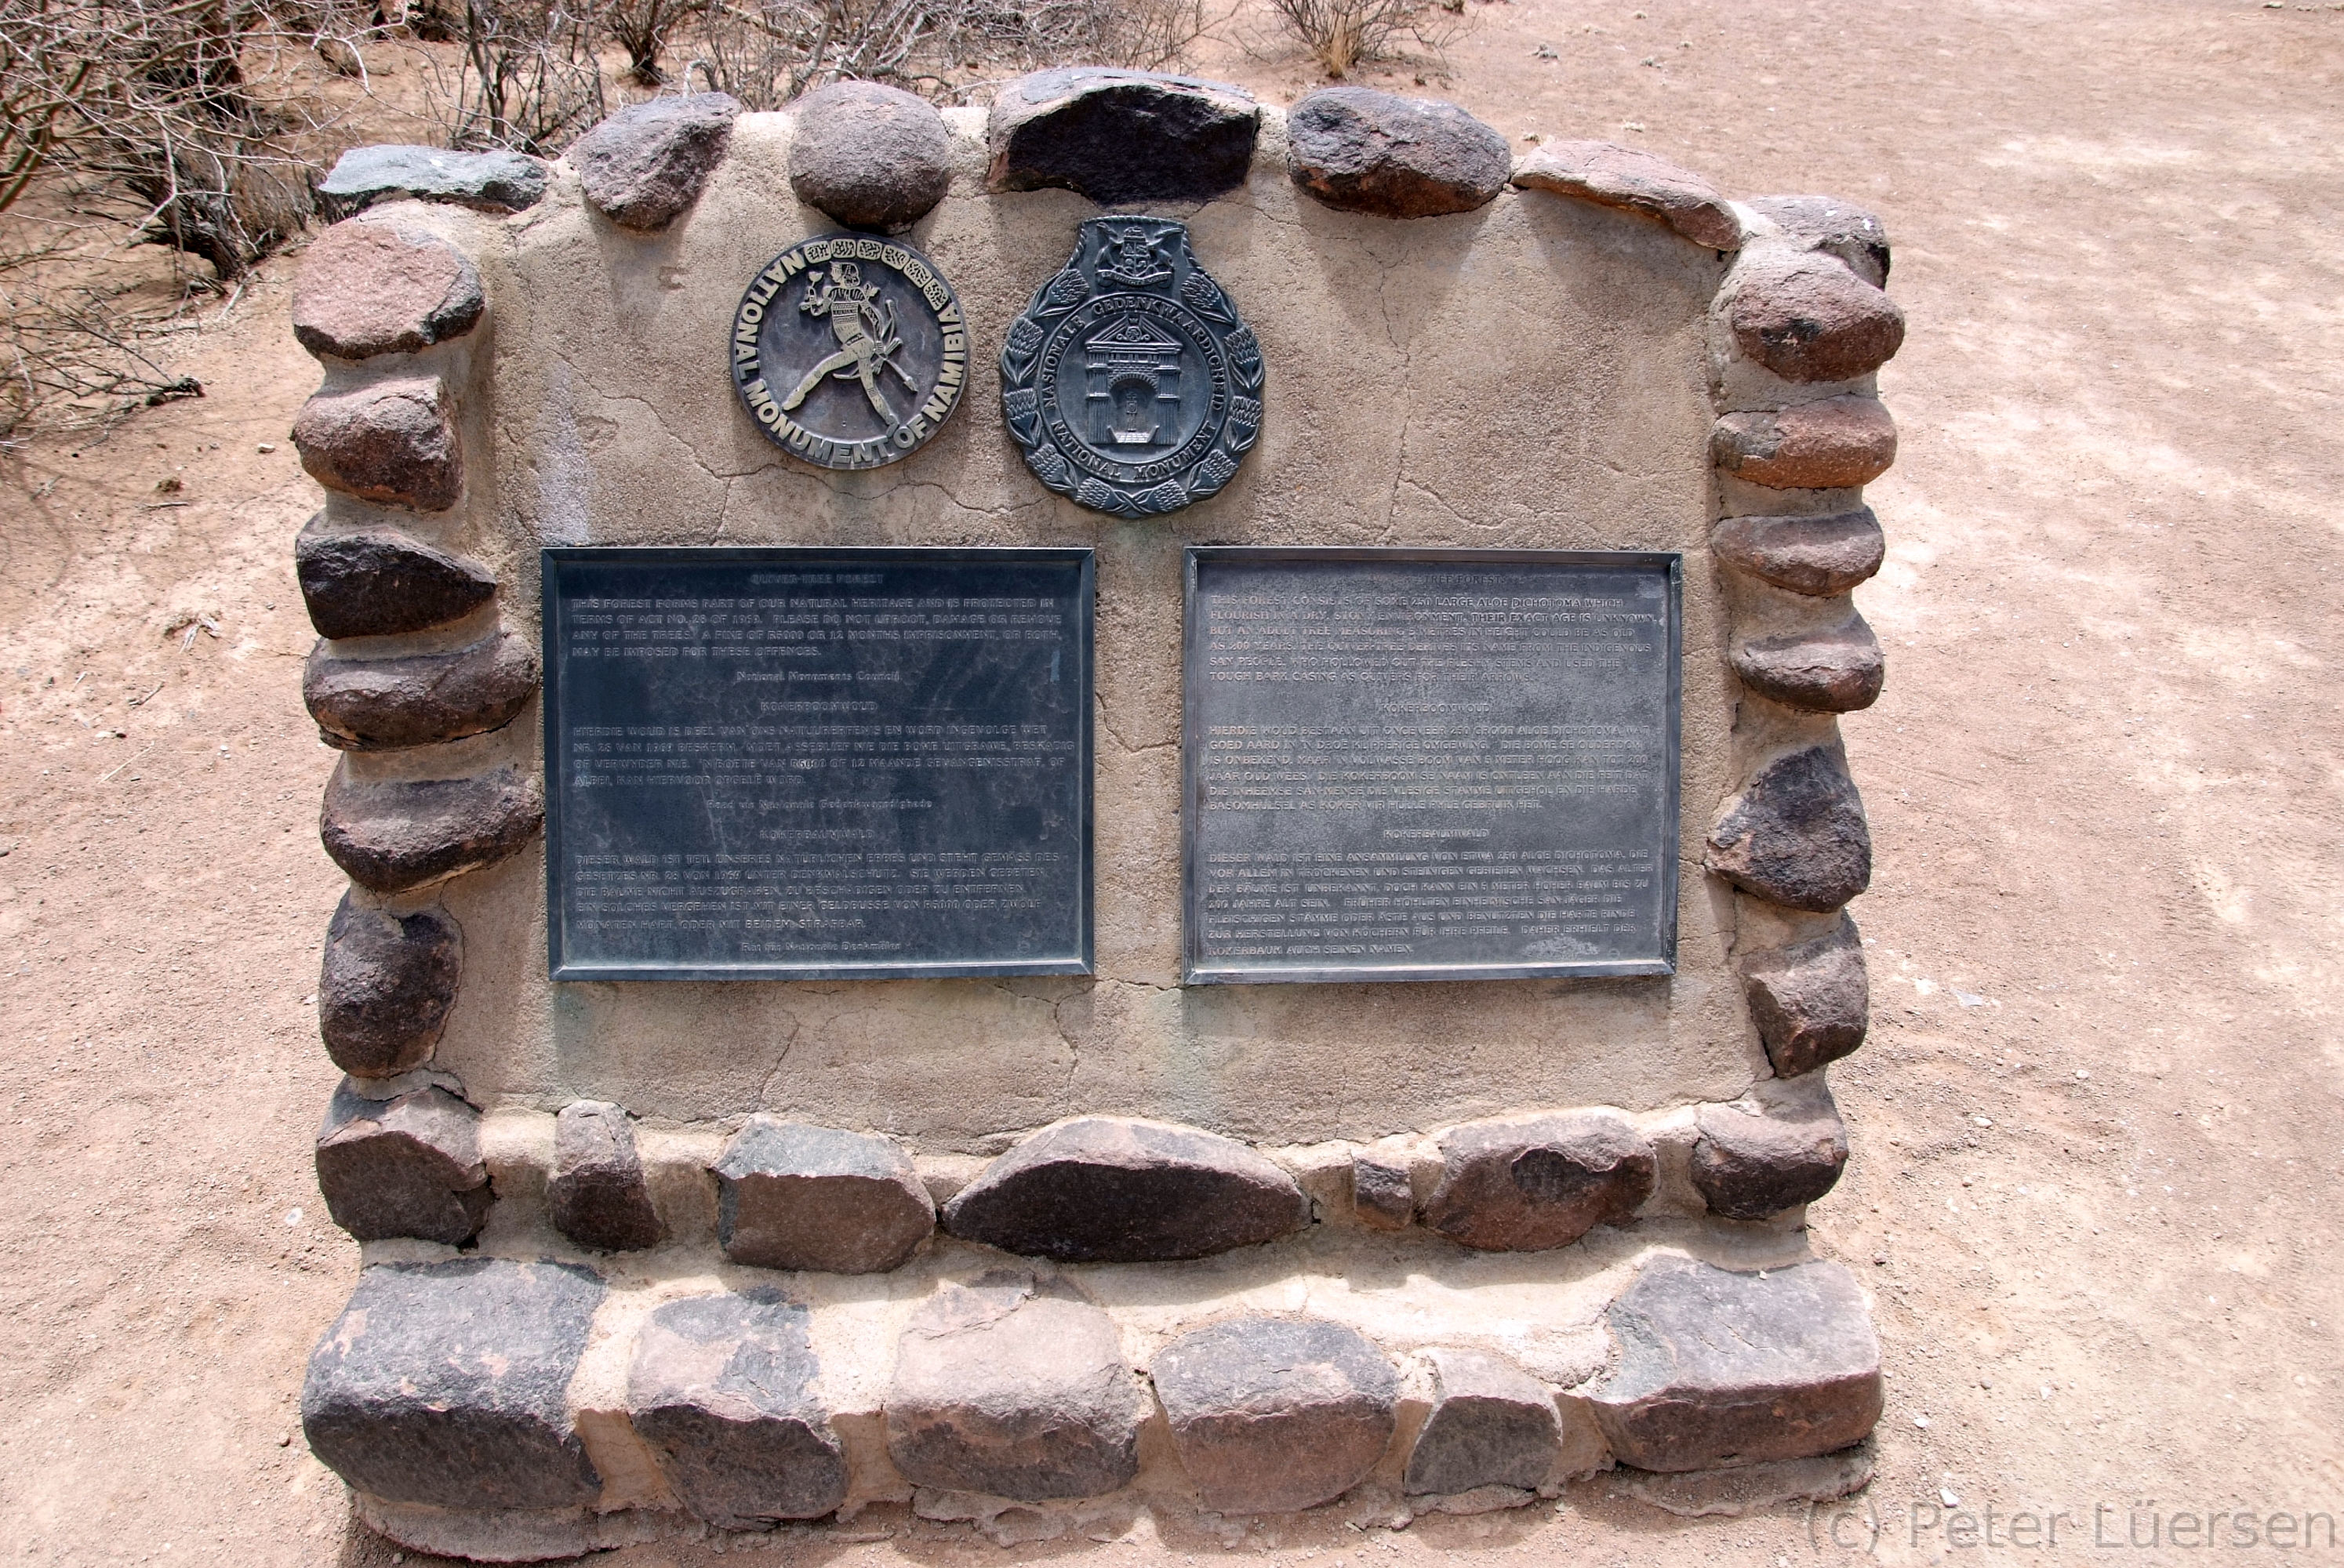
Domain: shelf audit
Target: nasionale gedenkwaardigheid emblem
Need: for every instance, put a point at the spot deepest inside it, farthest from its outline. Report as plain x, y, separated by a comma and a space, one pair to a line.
1130, 382
850, 352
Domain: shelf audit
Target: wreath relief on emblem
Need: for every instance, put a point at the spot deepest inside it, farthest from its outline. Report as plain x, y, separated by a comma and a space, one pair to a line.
850, 352
1129, 382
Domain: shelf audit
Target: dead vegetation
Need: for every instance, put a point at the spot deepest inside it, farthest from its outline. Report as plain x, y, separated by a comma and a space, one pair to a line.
1343, 35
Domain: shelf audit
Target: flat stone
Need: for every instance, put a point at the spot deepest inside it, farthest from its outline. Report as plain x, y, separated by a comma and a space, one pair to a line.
869, 157
1807, 318
404, 1167
1826, 555
1831, 444
379, 582
1381, 1193
368, 289
422, 699
1271, 1415
1491, 1424
597, 1192
1795, 835
1752, 1488
724, 1390
1638, 181
491, 182
1523, 1183
791, 1196
392, 441
390, 836
1360, 150
1120, 1190
1120, 137
1811, 1000
386, 987
1840, 228
1784, 1145
1008, 1393
1838, 670
642, 166
1720, 1370
448, 1384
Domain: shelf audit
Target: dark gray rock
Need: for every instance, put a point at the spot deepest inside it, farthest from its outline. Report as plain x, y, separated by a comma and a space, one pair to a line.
422, 700
1117, 1189
1381, 1193
1833, 443
597, 1192
368, 289
870, 157
724, 1388
1121, 136
404, 1167
379, 582
386, 985
1491, 1424
1783, 1145
1795, 835
448, 1384
392, 441
1838, 670
1752, 1488
790, 1196
1637, 181
1811, 1001
1806, 554
1807, 318
1720, 1369
645, 165
1009, 1392
1523, 1183
391, 836
491, 182
1272, 1416
1827, 223
1359, 150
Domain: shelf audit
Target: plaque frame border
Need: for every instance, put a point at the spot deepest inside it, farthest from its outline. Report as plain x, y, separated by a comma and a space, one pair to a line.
1083, 962
1195, 970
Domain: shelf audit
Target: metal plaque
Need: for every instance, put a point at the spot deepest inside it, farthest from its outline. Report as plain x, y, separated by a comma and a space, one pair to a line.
1129, 381
1418, 764
850, 352
817, 764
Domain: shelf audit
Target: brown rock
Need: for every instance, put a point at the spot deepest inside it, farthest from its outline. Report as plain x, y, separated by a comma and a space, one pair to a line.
392, 441
368, 289
1807, 318
1628, 177
1523, 1183
642, 166
597, 1193
1810, 1000
386, 987
791, 1196
1786, 1148
1832, 443
869, 157
392, 834
1837, 227
1382, 1194
1838, 670
1272, 1416
1806, 554
1360, 150
404, 1167
1120, 137
1491, 1424
1795, 835
379, 582
383, 704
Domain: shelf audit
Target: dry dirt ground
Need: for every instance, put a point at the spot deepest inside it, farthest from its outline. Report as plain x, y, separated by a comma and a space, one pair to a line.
2095, 1176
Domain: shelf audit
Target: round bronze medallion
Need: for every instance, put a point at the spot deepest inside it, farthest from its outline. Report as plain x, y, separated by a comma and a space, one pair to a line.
850, 352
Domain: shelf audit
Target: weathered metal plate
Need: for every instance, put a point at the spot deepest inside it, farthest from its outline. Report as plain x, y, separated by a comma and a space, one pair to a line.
1409, 765
817, 764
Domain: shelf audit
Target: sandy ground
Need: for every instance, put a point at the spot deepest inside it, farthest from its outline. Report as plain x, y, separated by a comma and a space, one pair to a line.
2095, 1128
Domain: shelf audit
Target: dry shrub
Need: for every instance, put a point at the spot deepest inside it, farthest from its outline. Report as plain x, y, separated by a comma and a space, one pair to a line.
1343, 33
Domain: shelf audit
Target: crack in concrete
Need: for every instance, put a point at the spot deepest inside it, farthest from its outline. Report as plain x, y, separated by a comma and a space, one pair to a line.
765, 1089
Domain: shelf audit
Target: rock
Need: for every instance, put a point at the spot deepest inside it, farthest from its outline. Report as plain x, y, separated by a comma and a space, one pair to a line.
1836, 670
1382, 1194
1806, 554
392, 441
368, 289
1810, 1000
1117, 1189
1522, 1183
386, 987
1491, 1424
1795, 835
1628, 177
492, 182
1828, 445
1359, 150
404, 1167
1807, 318
1786, 1150
390, 836
1825, 224
870, 157
381, 583
1752, 1488
448, 1384
792, 1196
724, 1389
1270, 1415
597, 1193
1720, 1369
642, 166
1121, 136
1003, 1392
384, 704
